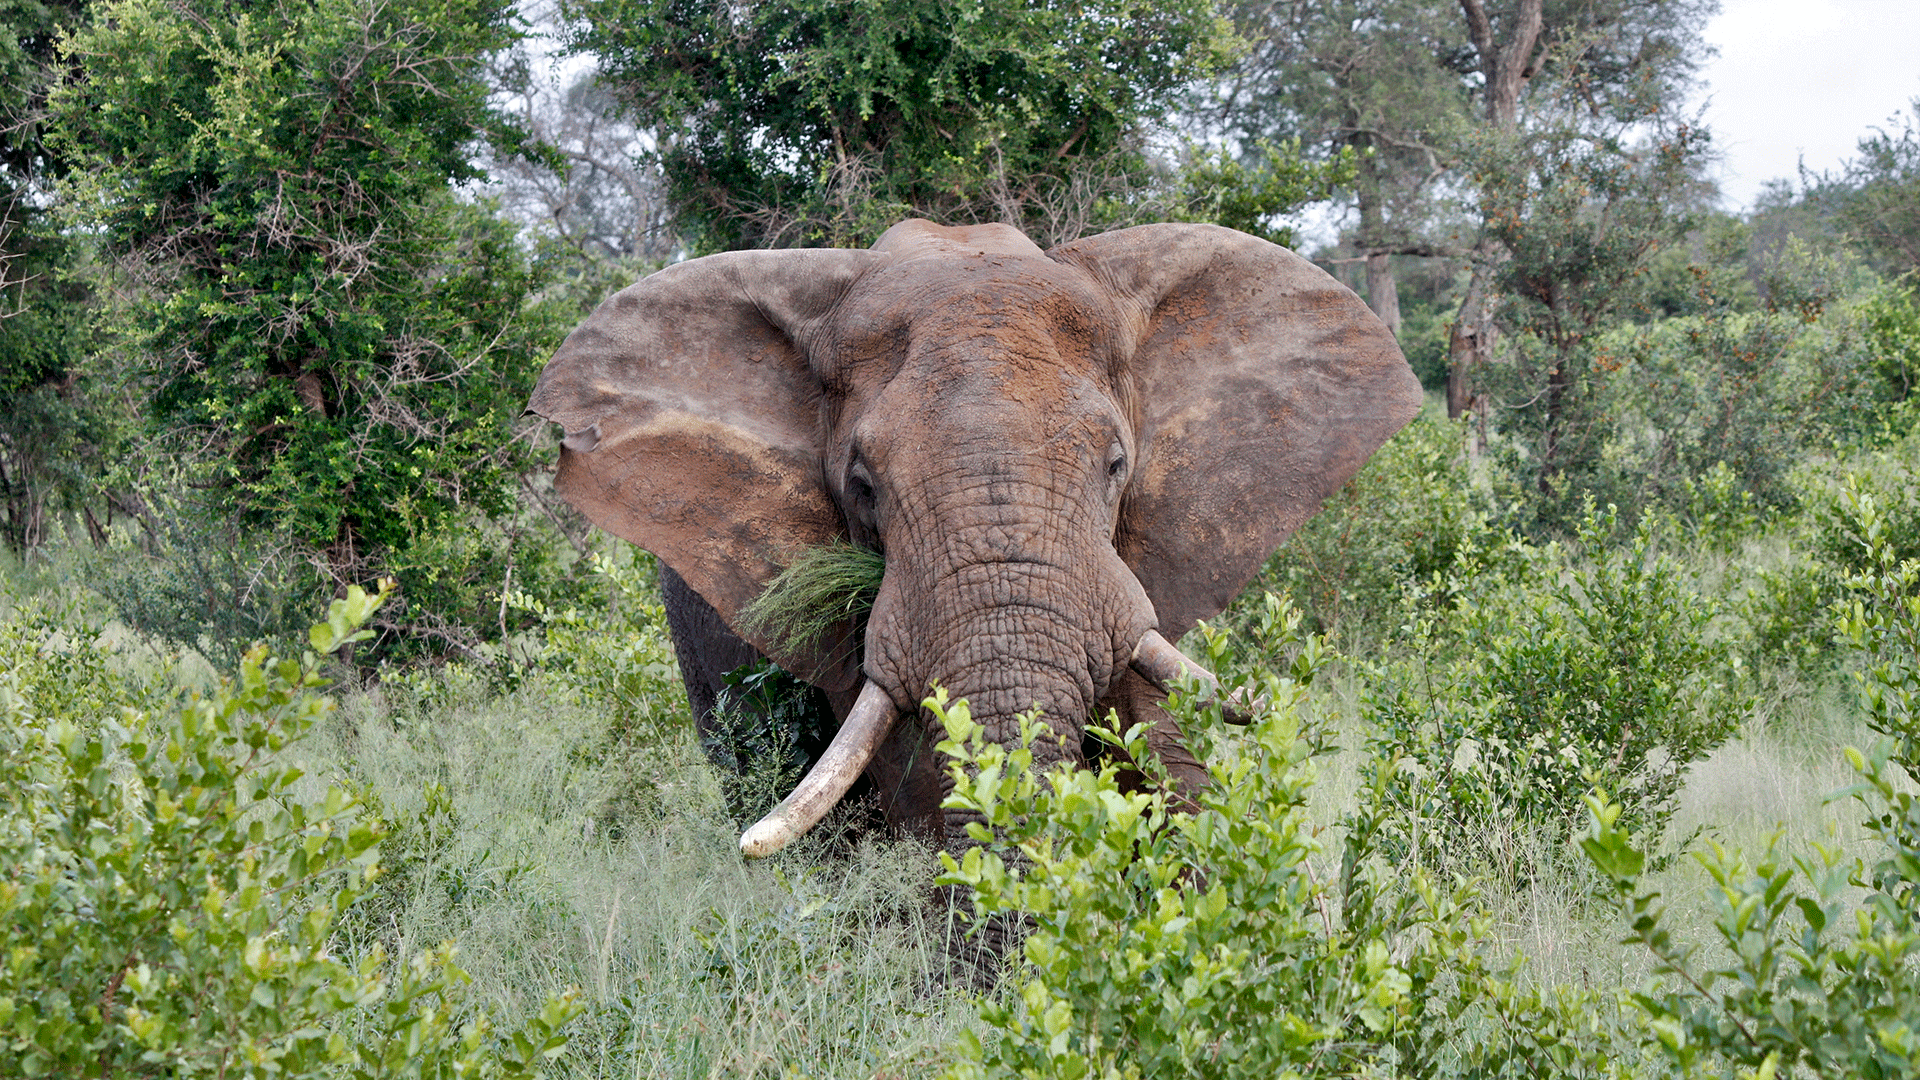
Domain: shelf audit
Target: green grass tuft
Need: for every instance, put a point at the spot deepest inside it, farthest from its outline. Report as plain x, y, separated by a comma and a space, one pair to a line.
819, 588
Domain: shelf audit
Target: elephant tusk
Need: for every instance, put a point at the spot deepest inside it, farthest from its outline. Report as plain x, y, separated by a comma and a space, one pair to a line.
846, 758
1160, 663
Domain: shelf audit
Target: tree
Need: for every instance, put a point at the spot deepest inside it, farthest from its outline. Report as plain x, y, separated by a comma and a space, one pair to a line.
49, 437
597, 194
1875, 198
1416, 85
1606, 65
823, 121
330, 337
1366, 76
1575, 214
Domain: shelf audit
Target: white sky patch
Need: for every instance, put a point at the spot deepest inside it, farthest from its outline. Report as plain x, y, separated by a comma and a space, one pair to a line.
1803, 80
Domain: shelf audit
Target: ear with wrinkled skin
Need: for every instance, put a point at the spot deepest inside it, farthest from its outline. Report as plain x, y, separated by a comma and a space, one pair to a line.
692, 425
1264, 385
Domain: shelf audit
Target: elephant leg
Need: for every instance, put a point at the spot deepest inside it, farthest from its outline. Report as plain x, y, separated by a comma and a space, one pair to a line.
707, 651
761, 744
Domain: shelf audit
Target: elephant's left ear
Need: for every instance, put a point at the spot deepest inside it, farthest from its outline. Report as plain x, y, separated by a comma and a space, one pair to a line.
1264, 385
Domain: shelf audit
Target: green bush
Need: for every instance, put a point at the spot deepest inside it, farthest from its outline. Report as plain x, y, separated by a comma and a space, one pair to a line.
1605, 671
1799, 987
1890, 477
199, 584
771, 725
1785, 606
1163, 943
1426, 336
621, 658
52, 655
1784, 609
1228, 942
1891, 323
170, 901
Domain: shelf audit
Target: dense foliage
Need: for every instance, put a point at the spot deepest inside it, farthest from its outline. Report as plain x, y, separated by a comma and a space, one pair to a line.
789, 124
51, 442
328, 340
1201, 941
170, 898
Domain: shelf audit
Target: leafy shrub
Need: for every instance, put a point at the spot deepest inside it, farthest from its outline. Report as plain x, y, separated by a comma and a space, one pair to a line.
169, 901
51, 655
1891, 321
1654, 410
1219, 943
1719, 511
1890, 477
1425, 337
1785, 613
1606, 671
771, 726
621, 658
1786, 606
1799, 985
1164, 943
200, 585
335, 340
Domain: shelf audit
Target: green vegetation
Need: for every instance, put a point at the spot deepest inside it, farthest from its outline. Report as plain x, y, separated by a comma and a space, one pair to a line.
172, 901
822, 587
1588, 745
1230, 941
332, 343
1421, 859
820, 124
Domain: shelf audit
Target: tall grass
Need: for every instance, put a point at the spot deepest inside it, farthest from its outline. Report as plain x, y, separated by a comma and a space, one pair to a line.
515, 837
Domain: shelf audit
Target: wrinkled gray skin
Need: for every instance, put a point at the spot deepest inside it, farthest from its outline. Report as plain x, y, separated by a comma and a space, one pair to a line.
1055, 451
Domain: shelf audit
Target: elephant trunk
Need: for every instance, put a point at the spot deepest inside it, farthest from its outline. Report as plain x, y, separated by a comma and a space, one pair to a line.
1010, 634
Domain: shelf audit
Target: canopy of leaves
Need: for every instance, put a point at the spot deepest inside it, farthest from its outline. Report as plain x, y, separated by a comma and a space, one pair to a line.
823, 121
1876, 198
43, 311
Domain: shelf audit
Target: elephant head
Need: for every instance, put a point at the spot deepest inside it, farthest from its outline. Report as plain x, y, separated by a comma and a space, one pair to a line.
1065, 457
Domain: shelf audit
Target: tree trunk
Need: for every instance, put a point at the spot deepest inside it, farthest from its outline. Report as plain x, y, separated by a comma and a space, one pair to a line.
1506, 69
1383, 296
1470, 344
1559, 382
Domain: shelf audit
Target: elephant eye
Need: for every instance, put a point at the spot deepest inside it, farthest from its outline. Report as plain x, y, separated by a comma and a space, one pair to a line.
860, 488
1117, 463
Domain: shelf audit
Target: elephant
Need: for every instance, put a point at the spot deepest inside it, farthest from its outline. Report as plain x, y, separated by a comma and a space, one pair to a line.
1065, 458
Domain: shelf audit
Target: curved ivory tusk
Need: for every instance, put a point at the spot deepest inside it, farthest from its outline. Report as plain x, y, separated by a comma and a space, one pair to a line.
846, 758
1160, 663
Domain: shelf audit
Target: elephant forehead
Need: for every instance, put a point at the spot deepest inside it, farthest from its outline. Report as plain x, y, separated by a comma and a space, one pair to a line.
915, 239
989, 308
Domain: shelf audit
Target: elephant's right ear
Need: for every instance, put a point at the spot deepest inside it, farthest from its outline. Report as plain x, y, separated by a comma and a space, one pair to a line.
692, 424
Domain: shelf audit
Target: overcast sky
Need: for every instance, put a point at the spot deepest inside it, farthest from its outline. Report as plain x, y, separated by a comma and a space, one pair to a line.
1804, 79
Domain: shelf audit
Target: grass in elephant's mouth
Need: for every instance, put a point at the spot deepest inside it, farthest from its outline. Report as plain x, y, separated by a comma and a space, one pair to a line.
822, 586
